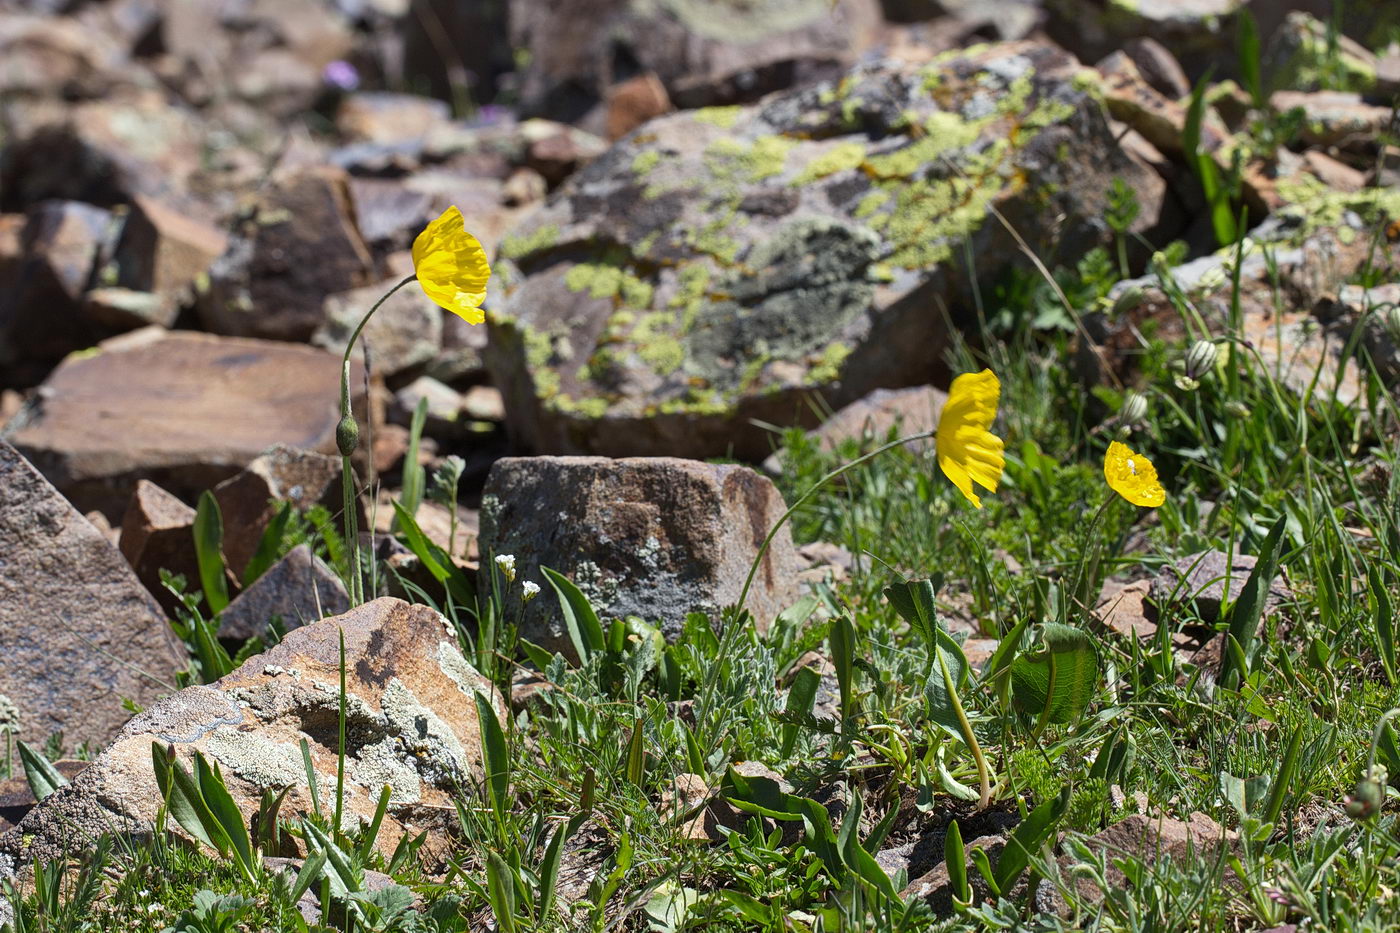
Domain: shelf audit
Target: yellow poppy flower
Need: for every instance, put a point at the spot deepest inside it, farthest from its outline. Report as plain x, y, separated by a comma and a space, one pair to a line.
967, 451
451, 266
1132, 476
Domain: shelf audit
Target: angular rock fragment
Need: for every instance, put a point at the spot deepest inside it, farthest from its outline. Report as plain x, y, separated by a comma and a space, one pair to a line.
702, 51
406, 331
656, 538
158, 534
282, 473
871, 419
1201, 579
184, 410
296, 590
78, 632
720, 267
165, 250
41, 312
411, 724
298, 244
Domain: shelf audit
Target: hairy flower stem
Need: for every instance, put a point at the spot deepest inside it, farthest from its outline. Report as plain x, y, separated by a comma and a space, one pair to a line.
347, 438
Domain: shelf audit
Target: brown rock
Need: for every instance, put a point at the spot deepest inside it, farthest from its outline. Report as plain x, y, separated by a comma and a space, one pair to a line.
383, 117
299, 245
184, 410
1158, 67
658, 538
158, 534
870, 420
525, 686
1124, 608
412, 725
295, 591
1335, 118
282, 473
1161, 120
1335, 175
525, 186
16, 798
1201, 579
120, 309
935, 888
557, 151
1150, 840
104, 151
105, 639
633, 102
165, 250
405, 333
703, 52
41, 316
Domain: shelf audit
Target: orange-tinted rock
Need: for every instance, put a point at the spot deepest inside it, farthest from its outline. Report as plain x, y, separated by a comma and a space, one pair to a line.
157, 534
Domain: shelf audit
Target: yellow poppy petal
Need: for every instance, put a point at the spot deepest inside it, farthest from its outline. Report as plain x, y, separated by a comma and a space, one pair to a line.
451, 266
1132, 476
967, 451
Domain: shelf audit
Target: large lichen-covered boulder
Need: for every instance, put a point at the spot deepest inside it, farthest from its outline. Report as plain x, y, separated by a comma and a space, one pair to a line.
411, 724
702, 51
719, 267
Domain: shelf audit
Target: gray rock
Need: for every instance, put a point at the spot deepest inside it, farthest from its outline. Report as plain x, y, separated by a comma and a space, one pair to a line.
406, 331
703, 51
871, 419
1201, 578
1197, 32
78, 631
184, 410
657, 538
721, 267
296, 590
407, 687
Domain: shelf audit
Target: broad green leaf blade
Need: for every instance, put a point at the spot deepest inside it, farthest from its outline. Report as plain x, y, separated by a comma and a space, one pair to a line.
914, 601
955, 858
495, 755
500, 886
585, 631
43, 778
221, 805
636, 755
841, 643
1027, 838
191, 811
1056, 681
208, 551
1247, 50
269, 545
1249, 608
1384, 616
802, 696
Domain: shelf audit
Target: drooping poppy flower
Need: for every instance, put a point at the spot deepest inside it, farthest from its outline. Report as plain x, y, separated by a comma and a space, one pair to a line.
1132, 476
451, 266
968, 452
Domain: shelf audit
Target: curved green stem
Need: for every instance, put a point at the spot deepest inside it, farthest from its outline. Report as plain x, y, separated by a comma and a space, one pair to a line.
347, 473
783, 519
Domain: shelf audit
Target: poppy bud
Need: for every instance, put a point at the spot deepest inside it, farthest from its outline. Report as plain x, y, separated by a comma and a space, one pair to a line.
1366, 798
1200, 359
347, 435
1134, 408
1391, 319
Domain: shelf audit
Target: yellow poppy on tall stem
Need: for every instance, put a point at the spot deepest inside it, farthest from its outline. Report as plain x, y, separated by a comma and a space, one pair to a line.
968, 452
1132, 476
451, 266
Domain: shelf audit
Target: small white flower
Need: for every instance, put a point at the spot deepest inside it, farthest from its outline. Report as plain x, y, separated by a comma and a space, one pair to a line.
531, 590
507, 564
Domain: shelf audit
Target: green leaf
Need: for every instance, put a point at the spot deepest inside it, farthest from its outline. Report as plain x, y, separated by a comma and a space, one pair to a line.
230, 818
1249, 608
955, 858
43, 778
208, 552
585, 631
1028, 836
636, 755
433, 558
1056, 681
1247, 50
549, 868
500, 886
413, 476
1383, 614
192, 812
914, 601
495, 757
802, 695
269, 545
841, 643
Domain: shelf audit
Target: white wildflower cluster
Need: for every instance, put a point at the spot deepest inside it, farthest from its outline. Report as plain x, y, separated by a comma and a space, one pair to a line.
506, 563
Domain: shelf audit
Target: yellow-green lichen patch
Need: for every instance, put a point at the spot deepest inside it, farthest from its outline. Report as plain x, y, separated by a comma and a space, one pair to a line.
840, 158
943, 132
656, 342
592, 407
722, 117
607, 280
871, 203
645, 161
515, 246
733, 161
827, 366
